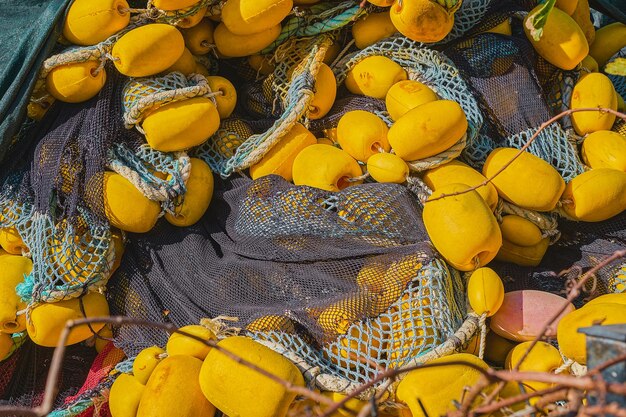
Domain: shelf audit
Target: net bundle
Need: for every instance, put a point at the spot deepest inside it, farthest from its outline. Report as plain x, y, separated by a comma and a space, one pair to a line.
346, 281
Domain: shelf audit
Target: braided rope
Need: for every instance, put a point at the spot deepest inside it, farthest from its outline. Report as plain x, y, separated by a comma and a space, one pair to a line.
144, 95
300, 95
441, 158
546, 222
482, 324
419, 188
156, 190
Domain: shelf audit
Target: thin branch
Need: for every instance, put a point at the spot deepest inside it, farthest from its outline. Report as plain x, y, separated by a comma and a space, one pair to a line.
574, 292
527, 145
51, 388
507, 402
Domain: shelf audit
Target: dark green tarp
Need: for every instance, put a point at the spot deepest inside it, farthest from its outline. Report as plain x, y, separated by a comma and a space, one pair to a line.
28, 32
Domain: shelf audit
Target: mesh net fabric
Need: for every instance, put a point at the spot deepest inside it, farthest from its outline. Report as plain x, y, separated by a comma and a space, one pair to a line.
319, 260
289, 94
57, 207
56, 200
500, 71
32, 363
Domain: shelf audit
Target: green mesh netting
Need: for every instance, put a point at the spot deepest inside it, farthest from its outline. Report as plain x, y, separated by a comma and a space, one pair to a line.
69, 257
315, 20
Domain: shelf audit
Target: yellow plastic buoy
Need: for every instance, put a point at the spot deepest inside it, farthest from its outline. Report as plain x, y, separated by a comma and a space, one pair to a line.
582, 17
148, 50
428, 129
520, 231
462, 227
542, 358
373, 28
503, 28
590, 64
422, 20
595, 195
512, 183
437, 388
248, 17
406, 95
457, 172
374, 76
192, 20
605, 149
485, 291
173, 390
617, 298
170, 5
387, 167
563, 43
280, 158
325, 93
179, 344
14, 268
608, 41
75, 83
232, 45
89, 22
181, 125
227, 99
497, 348
125, 396
362, 134
325, 167
237, 390
591, 91
126, 207
145, 362
11, 241
47, 320
197, 198
199, 38
186, 64
568, 6
571, 342
262, 64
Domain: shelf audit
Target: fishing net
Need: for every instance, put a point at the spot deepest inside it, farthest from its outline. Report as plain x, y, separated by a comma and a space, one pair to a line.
428, 66
55, 199
500, 71
30, 368
325, 277
91, 396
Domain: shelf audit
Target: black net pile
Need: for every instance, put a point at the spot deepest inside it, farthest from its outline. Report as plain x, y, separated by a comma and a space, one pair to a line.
320, 261
58, 203
30, 366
